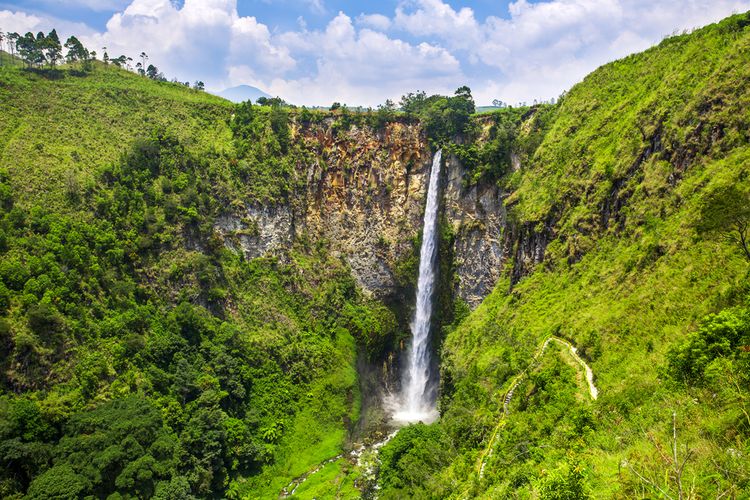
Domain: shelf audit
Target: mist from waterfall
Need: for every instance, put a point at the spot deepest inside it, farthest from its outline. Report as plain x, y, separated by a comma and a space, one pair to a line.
417, 401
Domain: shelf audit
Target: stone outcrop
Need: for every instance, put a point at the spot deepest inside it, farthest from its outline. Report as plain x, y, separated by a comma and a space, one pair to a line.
478, 217
364, 194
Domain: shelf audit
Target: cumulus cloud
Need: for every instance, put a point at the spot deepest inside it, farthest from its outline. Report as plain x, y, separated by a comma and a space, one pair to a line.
459, 29
530, 50
362, 66
22, 23
374, 21
540, 49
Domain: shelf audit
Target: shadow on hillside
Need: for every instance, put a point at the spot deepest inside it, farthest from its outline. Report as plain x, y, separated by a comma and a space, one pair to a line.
78, 73
47, 73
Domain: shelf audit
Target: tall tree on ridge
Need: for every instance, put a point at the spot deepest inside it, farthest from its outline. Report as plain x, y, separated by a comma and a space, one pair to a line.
38, 46
144, 58
26, 46
76, 50
12, 40
152, 72
53, 47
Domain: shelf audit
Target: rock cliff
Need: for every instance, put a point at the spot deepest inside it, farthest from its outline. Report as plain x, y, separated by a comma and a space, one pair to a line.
363, 193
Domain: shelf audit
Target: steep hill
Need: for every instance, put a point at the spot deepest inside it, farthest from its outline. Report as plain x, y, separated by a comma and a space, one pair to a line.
624, 213
127, 316
203, 299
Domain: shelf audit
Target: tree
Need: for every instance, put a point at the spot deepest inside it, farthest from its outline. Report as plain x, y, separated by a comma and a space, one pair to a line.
75, 50
153, 72
26, 45
142, 69
2, 39
119, 61
335, 106
53, 47
271, 101
198, 85
727, 212
12, 43
105, 57
443, 117
39, 46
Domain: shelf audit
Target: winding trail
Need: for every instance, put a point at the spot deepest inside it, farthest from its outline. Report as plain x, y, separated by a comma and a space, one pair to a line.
291, 488
593, 392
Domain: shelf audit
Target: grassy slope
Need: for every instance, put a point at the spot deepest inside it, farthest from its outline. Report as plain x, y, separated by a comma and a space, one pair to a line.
624, 294
54, 126
63, 138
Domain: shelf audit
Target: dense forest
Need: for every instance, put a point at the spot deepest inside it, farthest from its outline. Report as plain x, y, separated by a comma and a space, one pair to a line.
143, 356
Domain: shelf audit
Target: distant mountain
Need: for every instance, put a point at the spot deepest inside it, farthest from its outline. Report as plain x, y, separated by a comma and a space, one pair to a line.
242, 93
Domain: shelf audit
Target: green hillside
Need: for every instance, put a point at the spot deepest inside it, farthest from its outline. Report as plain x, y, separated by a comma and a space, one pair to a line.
141, 358
638, 185
139, 355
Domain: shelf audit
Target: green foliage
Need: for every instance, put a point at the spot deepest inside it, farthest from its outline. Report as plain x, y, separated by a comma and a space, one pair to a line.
442, 117
566, 482
409, 461
727, 212
60, 482
373, 325
266, 157
139, 356
625, 189
720, 335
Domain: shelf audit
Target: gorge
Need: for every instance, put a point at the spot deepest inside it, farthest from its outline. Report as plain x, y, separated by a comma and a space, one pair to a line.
215, 300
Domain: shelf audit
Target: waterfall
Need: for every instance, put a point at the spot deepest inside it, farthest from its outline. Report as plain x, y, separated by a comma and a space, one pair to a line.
417, 403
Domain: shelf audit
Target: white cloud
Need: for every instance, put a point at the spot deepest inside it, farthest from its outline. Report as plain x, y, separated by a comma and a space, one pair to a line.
544, 48
361, 66
22, 23
374, 21
534, 50
317, 6
434, 18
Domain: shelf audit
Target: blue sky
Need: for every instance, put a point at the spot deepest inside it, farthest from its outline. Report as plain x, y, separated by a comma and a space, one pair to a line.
320, 51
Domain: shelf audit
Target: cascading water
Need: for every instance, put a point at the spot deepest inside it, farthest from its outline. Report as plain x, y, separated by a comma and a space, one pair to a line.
416, 401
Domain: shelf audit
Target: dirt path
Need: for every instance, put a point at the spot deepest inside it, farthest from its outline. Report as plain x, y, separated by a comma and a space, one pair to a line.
593, 392
289, 489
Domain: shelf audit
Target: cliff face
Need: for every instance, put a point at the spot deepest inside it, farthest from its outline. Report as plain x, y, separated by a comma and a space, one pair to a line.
364, 194
481, 245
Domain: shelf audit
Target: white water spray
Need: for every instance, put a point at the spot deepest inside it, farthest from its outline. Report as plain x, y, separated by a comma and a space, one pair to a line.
416, 401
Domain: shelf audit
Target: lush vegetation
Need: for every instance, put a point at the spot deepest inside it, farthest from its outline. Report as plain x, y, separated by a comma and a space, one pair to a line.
637, 183
142, 358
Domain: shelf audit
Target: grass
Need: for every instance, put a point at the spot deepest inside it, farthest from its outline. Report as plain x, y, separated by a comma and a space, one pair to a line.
61, 126
640, 136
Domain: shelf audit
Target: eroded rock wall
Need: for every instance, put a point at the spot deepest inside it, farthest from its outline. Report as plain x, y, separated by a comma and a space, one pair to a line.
478, 219
364, 194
